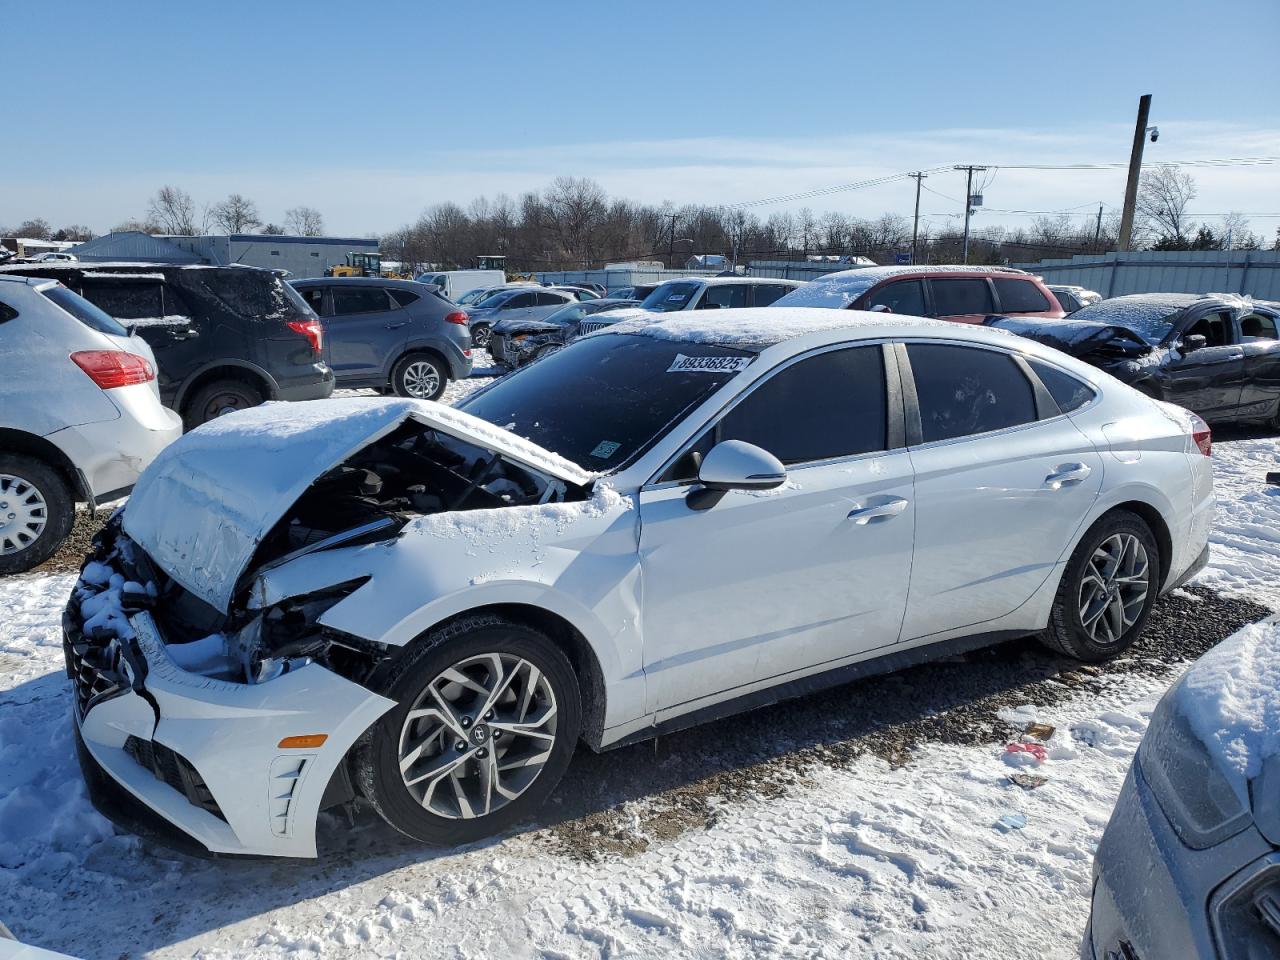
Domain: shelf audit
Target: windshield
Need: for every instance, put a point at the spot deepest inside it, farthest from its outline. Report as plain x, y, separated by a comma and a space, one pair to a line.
1152, 320
84, 311
605, 398
670, 296
471, 296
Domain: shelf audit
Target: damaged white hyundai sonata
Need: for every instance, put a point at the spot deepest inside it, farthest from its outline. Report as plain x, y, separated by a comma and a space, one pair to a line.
428, 608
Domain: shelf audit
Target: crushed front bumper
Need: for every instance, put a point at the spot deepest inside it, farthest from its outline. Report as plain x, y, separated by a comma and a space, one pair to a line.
203, 755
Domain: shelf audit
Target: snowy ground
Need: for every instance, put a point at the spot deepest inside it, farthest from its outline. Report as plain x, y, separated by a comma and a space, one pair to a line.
862, 821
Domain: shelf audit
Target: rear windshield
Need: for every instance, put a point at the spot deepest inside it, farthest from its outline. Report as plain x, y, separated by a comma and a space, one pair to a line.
637, 388
84, 311
256, 294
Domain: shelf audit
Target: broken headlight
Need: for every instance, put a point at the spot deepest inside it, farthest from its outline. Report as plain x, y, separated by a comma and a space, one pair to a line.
289, 635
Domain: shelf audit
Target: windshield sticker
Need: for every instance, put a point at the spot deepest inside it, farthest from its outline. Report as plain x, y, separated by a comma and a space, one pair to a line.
605, 449
677, 297
683, 364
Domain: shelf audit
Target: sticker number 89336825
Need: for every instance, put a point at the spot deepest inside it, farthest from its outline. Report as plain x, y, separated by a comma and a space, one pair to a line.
683, 364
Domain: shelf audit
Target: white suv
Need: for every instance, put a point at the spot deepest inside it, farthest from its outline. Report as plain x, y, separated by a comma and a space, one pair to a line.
80, 414
709, 293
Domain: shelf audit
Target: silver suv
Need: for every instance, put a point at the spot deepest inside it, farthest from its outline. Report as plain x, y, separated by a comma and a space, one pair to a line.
80, 414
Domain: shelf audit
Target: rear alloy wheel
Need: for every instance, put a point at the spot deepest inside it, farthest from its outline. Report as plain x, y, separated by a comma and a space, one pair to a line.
217, 399
480, 336
1107, 589
36, 512
488, 717
420, 376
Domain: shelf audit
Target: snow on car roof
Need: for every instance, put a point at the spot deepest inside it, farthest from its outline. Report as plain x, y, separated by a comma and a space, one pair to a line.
1231, 697
841, 289
718, 281
1143, 313
754, 328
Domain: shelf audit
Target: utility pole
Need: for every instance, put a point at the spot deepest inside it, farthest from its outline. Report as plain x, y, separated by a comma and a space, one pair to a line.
1135, 171
671, 247
915, 228
1097, 229
968, 204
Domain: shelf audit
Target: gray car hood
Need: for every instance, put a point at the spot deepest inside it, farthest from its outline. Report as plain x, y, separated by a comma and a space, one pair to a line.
206, 502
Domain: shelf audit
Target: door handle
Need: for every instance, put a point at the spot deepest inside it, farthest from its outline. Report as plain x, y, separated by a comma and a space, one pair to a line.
879, 511
393, 326
1067, 473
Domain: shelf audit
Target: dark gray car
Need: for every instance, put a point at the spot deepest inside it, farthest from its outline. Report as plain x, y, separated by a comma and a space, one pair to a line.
517, 341
514, 304
390, 333
1189, 865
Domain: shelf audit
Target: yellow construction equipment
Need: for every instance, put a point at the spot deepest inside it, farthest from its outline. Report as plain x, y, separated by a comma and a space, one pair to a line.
364, 265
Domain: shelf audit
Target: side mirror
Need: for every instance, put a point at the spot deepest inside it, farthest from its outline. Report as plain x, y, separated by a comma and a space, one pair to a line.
1194, 342
734, 465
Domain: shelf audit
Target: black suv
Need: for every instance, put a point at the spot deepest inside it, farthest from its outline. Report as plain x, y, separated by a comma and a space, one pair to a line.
225, 338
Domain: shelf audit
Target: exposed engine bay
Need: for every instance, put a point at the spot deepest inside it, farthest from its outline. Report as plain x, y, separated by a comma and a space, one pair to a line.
413, 471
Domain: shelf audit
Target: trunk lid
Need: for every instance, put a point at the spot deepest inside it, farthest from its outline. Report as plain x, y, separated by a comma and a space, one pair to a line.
203, 507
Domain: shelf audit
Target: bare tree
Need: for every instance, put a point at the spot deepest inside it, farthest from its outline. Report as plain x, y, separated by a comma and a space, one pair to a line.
37, 229
173, 211
236, 214
141, 226
304, 221
77, 232
1164, 194
272, 230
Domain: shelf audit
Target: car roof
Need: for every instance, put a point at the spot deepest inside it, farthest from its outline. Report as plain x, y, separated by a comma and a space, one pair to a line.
757, 328
364, 281
719, 281
845, 286
28, 281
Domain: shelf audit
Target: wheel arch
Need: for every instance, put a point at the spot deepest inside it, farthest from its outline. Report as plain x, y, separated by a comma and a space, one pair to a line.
574, 644
1155, 520
242, 371
19, 441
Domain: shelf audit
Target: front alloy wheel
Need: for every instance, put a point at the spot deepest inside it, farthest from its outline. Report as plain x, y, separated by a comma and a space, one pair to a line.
478, 736
488, 714
480, 336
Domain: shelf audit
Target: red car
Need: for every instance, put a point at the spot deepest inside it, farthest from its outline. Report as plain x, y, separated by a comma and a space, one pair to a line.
960, 294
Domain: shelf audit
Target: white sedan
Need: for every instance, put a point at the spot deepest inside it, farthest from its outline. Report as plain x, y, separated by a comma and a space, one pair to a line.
668, 521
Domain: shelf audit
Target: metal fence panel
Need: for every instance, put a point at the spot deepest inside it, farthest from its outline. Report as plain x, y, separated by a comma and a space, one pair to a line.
1255, 273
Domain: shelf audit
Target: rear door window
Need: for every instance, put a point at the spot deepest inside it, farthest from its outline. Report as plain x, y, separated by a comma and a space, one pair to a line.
402, 297
1258, 326
352, 300
1020, 296
549, 299
767, 293
87, 313
831, 405
961, 296
967, 390
901, 296
127, 300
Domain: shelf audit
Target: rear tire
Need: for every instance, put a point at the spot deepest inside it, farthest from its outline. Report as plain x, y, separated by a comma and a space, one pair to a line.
1107, 589
456, 767
422, 376
217, 399
480, 335
36, 512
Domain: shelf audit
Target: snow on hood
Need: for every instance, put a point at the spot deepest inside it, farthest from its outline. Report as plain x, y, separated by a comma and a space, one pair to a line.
838, 290
202, 507
758, 327
1231, 697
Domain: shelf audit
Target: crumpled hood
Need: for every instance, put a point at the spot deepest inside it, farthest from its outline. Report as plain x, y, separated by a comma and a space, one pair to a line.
525, 326
203, 506
1076, 337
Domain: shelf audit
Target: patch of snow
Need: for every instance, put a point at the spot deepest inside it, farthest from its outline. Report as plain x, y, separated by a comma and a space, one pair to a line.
169, 320
1244, 542
1231, 696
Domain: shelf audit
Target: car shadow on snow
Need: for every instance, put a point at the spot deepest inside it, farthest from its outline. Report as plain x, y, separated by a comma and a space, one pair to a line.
622, 802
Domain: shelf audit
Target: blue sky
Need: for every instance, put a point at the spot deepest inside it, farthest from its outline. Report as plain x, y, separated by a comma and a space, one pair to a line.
372, 111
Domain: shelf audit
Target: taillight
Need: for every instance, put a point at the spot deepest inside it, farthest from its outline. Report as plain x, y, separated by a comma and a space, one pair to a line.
114, 368
457, 317
1201, 435
311, 329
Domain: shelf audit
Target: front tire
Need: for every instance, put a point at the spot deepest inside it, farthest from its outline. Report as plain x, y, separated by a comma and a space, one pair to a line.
1107, 589
36, 512
488, 714
480, 336
421, 376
